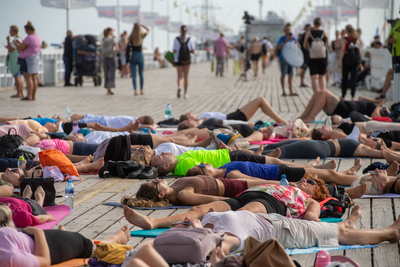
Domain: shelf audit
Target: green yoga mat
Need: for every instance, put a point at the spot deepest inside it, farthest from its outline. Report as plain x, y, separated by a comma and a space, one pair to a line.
331, 220
170, 57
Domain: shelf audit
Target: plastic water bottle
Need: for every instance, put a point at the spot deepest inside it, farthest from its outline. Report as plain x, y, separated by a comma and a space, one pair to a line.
21, 161
69, 195
75, 127
329, 122
323, 261
289, 130
284, 181
67, 114
168, 112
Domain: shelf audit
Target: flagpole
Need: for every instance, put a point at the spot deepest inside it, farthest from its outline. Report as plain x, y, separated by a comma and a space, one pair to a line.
358, 14
118, 18
67, 15
152, 27
168, 24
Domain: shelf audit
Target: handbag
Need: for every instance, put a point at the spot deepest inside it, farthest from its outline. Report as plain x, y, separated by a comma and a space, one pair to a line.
15, 153
10, 141
47, 183
170, 57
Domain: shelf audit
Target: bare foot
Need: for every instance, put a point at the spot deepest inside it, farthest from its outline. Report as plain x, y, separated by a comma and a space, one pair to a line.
55, 116
39, 116
276, 153
27, 192
141, 92
355, 215
329, 165
138, 219
95, 166
135, 93
393, 169
260, 150
45, 218
388, 154
132, 126
353, 170
315, 162
61, 227
39, 195
122, 236
357, 192
86, 161
396, 231
221, 145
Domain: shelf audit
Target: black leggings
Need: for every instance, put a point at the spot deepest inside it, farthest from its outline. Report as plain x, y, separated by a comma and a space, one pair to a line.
141, 139
346, 70
303, 149
84, 149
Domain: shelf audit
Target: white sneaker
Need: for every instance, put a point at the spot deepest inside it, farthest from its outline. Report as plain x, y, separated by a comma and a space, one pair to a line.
185, 96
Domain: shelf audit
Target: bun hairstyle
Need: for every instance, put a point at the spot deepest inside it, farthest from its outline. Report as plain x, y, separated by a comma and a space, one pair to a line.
183, 33
107, 31
29, 27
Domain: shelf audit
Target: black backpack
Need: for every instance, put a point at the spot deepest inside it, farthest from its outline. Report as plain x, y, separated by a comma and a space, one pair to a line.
184, 53
119, 148
264, 49
395, 111
353, 54
337, 205
130, 169
242, 48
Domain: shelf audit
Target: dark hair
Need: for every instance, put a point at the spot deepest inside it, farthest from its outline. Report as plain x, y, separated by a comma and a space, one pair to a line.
147, 192
183, 117
288, 25
182, 126
316, 134
307, 25
183, 33
317, 22
148, 120
29, 26
107, 31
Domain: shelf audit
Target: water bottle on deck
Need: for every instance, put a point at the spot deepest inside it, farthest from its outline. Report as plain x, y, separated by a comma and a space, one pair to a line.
69, 195
284, 181
168, 112
67, 114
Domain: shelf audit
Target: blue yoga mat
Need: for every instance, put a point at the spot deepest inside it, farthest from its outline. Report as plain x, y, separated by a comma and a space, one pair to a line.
316, 122
297, 251
331, 220
117, 204
148, 233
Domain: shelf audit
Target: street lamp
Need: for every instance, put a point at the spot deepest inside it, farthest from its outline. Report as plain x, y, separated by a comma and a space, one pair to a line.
176, 4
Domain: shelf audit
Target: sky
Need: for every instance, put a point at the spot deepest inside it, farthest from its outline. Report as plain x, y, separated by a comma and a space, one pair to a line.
50, 23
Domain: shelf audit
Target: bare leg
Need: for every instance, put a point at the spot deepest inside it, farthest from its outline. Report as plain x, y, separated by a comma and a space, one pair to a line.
186, 69
255, 137
91, 167
255, 207
325, 100
353, 170
35, 84
122, 236
283, 83
389, 155
357, 191
131, 127
332, 176
179, 70
75, 158
365, 151
147, 256
86, 161
250, 109
29, 85
388, 82
302, 74
19, 85
77, 117
314, 82
322, 82
290, 79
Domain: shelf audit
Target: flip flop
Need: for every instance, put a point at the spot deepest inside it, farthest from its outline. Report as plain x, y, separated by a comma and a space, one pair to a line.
294, 94
26, 98
284, 94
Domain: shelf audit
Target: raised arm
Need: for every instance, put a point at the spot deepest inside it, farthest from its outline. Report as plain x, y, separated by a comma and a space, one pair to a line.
147, 29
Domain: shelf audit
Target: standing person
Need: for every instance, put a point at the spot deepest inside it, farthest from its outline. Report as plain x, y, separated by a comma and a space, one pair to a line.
255, 53
123, 43
29, 55
220, 49
68, 57
134, 54
182, 48
394, 39
157, 57
12, 60
349, 60
306, 55
266, 47
316, 41
241, 48
286, 69
362, 46
208, 51
109, 48
334, 59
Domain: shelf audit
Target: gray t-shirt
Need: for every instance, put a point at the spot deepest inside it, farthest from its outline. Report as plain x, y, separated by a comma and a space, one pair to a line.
107, 47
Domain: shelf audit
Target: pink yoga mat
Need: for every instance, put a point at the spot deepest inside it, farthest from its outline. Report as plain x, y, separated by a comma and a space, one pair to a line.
59, 212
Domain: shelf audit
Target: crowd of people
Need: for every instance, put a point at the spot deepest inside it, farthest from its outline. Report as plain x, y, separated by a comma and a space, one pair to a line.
233, 189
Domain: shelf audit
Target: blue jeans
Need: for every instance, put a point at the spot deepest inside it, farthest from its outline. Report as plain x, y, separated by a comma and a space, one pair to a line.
137, 59
68, 69
286, 68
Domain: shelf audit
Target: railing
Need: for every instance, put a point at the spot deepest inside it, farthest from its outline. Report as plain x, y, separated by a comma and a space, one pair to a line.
6, 79
381, 62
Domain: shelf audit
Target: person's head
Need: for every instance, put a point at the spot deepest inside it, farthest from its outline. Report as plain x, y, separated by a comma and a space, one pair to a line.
14, 30
183, 33
307, 28
108, 32
150, 194
367, 54
336, 119
14, 176
288, 28
359, 32
51, 127
372, 142
187, 124
41, 135
317, 22
350, 31
337, 33
163, 162
321, 133
343, 33
255, 39
203, 169
29, 29
6, 216
143, 155
377, 45
125, 33
375, 181
377, 38
268, 132
313, 187
136, 36
242, 38
148, 120
221, 35
69, 33
76, 137
186, 116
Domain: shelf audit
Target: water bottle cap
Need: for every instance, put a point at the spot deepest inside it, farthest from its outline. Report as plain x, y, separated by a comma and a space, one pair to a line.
70, 181
21, 158
96, 242
323, 258
283, 176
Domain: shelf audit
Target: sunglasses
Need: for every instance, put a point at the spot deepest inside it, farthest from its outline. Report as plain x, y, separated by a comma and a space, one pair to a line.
14, 170
309, 181
202, 168
156, 183
190, 224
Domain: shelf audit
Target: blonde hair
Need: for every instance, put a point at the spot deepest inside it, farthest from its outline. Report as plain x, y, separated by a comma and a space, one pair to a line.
5, 217
255, 39
143, 202
351, 32
372, 188
183, 33
136, 36
14, 28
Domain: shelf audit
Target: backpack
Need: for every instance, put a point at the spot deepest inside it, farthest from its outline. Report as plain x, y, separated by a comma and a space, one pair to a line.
184, 53
336, 205
395, 111
264, 48
353, 54
119, 148
317, 48
129, 169
242, 48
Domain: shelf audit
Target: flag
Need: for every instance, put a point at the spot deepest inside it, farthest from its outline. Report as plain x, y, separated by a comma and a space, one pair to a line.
374, 4
130, 14
347, 12
324, 11
148, 18
345, 3
162, 22
54, 3
75, 4
106, 12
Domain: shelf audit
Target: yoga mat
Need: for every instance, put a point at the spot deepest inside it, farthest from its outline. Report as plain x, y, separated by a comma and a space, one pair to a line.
59, 212
297, 251
317, 121
148, 233
331, 220
276, 140
72, 263
117, 204
389, 195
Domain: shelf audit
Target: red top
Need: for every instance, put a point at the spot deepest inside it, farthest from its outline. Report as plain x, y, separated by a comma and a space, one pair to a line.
346, 47
22, 215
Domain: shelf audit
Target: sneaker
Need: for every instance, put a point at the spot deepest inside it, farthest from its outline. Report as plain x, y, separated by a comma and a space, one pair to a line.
185, 96
178, 93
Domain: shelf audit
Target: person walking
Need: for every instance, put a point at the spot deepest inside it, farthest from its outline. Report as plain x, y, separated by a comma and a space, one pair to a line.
286, 69
266, 46
68, 57
306, 56
29, 65
255, 54
182, 48
123, 43
109, 48
220, 49
241, 48
334, 59
12, 60
350, 60
316, 43
134, 54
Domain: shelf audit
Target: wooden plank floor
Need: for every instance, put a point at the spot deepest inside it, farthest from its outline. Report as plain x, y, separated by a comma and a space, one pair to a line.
206, 93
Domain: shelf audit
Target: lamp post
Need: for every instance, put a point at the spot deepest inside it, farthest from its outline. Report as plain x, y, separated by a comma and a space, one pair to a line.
168, 24
176, 4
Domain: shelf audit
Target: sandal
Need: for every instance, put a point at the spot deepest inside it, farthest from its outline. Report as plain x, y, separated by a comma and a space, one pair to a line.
26, 98
284, 94
110, 92
294, 94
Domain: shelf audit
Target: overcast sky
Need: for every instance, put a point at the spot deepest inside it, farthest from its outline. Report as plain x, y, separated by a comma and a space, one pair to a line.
50, 23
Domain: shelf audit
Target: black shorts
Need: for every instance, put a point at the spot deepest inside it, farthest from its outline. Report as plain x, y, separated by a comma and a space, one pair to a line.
244, 129
344, 108
292, 174
347, 147
67, 127
84, 149
271, 204
240, 155
237, 115
141, 139
306, 57
255, 57
317, 66
181, 64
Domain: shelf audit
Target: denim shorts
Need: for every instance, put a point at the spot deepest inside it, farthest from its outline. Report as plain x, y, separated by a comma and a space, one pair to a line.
23, 67
286, 68
18, 74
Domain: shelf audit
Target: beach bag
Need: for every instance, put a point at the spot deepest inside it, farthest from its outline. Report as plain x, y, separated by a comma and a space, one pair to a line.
229, 137
184, 53
47, 183
353, 56
183, 245
170, 57
53, 157
118, 149
317, 48
335, 208
12, 62
9, 142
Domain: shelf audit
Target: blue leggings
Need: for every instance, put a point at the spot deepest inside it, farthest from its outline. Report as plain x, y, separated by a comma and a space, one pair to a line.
137, 59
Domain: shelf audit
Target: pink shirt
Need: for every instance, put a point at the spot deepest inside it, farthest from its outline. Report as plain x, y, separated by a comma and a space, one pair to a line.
220, 46
33, 42
22, 216
16, 249
22, 130
60, 145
